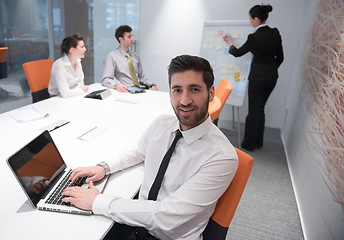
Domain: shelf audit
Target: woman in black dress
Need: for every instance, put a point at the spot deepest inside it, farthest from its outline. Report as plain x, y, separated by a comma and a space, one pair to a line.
266, 46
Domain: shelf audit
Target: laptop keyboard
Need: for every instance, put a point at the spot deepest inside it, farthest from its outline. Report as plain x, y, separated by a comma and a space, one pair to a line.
56, 196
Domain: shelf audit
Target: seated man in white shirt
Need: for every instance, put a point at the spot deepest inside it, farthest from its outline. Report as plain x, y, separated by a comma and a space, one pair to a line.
201, 168
117, 74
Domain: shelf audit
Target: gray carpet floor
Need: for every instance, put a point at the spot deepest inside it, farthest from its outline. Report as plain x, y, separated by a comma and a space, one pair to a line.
267, 209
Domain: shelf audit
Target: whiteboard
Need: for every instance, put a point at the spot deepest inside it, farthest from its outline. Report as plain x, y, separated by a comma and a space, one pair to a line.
225, 66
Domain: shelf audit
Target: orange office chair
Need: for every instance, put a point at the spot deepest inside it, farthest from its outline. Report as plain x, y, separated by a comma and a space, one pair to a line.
225, 208
3, 62
221, 94
38, 76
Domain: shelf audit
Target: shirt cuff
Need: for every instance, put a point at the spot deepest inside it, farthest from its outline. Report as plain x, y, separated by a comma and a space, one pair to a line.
101, 204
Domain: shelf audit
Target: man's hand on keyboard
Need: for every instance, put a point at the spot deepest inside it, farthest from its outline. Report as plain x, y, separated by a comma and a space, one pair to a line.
81, 197
94, 173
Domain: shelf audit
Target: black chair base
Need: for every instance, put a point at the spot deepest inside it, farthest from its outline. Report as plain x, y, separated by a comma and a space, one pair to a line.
3, 70
40, 95
214, 231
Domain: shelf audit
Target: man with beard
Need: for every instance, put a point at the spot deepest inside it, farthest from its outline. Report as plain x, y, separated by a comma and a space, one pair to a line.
201, 168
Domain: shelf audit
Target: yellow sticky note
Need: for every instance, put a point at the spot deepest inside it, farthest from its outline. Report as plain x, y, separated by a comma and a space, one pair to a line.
219, 46
236, 34
212, 62
236, 76
237, 66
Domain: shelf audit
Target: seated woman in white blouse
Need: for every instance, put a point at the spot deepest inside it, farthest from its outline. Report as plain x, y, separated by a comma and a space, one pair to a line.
67, 77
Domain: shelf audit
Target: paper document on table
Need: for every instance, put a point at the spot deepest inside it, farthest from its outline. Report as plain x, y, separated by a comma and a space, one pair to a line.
92, 134
127, 100
29, 113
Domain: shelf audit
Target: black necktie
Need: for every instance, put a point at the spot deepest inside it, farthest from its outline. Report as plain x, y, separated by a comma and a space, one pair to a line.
153, 193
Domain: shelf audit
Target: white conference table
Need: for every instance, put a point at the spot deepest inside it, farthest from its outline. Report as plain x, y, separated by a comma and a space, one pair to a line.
122, 116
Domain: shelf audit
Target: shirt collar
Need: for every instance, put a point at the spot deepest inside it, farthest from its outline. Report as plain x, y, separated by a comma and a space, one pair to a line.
67, 61
194, 133
124, 52
260, 26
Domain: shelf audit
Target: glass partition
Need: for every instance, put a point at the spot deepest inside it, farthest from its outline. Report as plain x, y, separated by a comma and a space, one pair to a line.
24, 32
34, 29
108, 15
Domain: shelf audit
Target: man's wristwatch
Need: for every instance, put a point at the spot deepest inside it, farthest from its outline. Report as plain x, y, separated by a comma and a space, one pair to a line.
105, 166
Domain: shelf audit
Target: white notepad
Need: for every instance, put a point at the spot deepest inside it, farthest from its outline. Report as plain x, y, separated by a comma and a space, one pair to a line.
29, 113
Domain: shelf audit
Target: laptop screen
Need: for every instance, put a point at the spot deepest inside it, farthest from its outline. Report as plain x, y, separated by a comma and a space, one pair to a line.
37, 165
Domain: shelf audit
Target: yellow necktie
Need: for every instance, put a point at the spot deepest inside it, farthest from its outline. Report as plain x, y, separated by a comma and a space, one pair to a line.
132, 71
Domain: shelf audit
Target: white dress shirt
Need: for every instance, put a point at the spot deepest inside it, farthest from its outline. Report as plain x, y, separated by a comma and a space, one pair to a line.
261, 25
64, 80
201, 168
116, 69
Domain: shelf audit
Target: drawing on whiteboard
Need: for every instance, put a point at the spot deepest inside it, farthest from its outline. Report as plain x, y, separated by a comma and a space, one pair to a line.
215, 50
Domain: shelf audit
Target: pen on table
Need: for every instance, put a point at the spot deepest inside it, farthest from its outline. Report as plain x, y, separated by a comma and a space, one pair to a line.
56, 127
44, 114
87, 132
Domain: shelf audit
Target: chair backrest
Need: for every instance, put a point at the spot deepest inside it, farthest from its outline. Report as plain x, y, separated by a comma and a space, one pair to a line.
38, 75
222, 92
214, 109
3, 62
3, 54
228, 202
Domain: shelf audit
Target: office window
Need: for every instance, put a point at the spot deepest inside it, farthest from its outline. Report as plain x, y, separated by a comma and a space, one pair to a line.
108, 15
122, 12
24, 30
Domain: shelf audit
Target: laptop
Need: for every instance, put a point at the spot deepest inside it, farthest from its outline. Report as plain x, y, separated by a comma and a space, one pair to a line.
42, 173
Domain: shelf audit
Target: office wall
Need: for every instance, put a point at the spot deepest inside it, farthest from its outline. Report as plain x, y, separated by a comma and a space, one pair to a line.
313, 129
172, 27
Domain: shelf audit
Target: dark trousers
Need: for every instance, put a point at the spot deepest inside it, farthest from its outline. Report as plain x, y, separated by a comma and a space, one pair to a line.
125, 232
258, 94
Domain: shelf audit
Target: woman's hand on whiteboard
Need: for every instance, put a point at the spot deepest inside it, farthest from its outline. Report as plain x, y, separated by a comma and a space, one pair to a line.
228, 39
